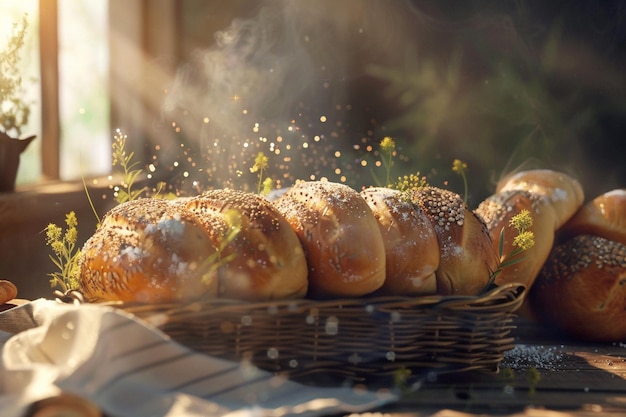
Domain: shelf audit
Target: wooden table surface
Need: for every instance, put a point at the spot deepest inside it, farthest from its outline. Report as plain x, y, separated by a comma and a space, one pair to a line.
546, 374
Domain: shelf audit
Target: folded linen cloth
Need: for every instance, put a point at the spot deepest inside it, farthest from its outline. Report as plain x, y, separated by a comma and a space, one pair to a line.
126, 367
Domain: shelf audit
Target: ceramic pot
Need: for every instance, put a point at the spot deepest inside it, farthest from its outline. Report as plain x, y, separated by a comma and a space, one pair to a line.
10, 151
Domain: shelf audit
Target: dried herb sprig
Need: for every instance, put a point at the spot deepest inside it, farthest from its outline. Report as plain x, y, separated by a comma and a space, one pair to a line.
129, 170
217, 259
15, 111
261, 163
523, 240
66, 254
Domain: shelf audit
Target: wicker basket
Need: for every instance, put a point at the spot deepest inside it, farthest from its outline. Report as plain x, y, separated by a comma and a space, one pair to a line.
350, 338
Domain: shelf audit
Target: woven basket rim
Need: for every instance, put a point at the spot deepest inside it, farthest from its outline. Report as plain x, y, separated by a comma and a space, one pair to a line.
506, 298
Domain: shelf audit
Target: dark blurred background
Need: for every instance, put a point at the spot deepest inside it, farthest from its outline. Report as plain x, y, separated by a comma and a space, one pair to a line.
501, 85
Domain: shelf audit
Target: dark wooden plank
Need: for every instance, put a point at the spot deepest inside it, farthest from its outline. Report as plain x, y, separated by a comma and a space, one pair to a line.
546, 371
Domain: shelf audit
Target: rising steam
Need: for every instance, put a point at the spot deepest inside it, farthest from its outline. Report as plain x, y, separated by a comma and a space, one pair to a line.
289, 72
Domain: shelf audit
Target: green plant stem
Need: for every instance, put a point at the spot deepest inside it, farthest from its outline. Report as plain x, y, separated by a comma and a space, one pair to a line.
388, 164
260, 183
465, 188
91, 204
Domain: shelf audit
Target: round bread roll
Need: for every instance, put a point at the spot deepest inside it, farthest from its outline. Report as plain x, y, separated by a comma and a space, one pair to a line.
147, 250
497, 211
411, 245
265, 258
467, 255
340, 237
563, 192
8, 291
603, 216
582, 289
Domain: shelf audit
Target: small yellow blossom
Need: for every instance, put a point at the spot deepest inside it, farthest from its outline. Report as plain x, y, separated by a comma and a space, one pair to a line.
53, 233
524, 240
66, 254
387, 145
70, 219
521, 221
260, 163
459, 166
387, 151
57, 247
268, 185
71, 235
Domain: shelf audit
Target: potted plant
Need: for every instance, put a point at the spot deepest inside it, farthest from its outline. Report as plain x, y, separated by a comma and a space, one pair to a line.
14, 111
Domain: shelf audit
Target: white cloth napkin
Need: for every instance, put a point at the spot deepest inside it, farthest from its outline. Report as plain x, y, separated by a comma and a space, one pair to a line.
128, 368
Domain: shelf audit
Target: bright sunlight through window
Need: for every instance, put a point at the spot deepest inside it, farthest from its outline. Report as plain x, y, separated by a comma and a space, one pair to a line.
83, 85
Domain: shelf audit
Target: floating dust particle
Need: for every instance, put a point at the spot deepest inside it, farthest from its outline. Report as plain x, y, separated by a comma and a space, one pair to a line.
522, 357
315, 143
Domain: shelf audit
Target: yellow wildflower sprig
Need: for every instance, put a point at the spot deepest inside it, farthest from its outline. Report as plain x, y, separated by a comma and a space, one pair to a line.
217, 259
129, 169
261, 163
524, 240
66, 254
460, 168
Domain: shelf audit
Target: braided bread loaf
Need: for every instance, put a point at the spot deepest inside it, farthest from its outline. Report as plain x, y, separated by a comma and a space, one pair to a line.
318, 239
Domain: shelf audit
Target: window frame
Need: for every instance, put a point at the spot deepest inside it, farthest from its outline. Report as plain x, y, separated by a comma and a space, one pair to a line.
139, 32
49, 64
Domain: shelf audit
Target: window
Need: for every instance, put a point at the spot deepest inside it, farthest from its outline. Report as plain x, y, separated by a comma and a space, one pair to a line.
83, 88
82, 145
